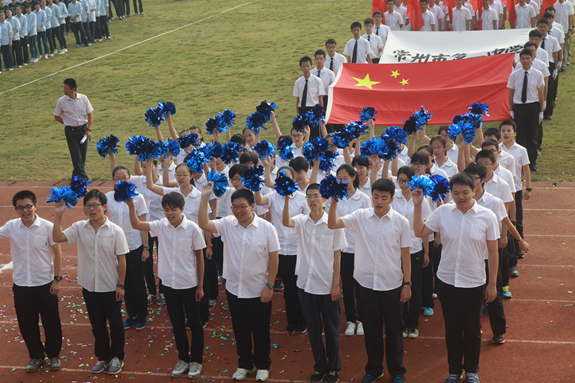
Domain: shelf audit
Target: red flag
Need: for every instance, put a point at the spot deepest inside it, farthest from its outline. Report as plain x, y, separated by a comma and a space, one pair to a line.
546, 4
446, 88
510, 4
414, 15
450, 5
377, 5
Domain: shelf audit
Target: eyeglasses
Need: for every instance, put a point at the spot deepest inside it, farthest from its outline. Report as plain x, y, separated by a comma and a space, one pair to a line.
183, 175
240, 207
297, 135
488, 164
416, 165
402, 181
94, 206
236, 179
22, 208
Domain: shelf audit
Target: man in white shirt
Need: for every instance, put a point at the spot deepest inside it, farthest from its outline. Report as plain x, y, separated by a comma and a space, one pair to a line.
553, 49
564, 15
376, 42
334, 59
75, 112
36, 280
402, 10
488, 17
326, 76
500, 13
461, 17
428, 17
102, 247
439, 15
357, 49
525, 15
393, 19
307, 89
250, 268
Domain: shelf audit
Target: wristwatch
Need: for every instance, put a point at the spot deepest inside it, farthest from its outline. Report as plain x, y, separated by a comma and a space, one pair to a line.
529, 189
270, 285
147, 247
121, 286
407, 283
57, 278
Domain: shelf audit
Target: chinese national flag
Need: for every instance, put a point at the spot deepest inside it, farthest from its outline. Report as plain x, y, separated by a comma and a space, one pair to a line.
446, 88
546, 4
414, 14
510, 4
450, 5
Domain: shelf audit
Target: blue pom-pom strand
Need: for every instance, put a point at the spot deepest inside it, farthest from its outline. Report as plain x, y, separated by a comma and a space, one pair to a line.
301, 122
285, 148
253, 178
264, 149
356, 128
316, 115
266, 109
440, 189
63, 194
422, 182
422, 116
255, 121
463, 127
196, 159
479, 108
216, 149
410, 125
188, 140
167, 108
309, 151
330, 187
395, 134
220, 182
143, 147
107, 143
172, 146
284, 185
124, 190
371, 147
230, 152
226, 120
212, 124
155, 116
341, 138
367, 113
79, 186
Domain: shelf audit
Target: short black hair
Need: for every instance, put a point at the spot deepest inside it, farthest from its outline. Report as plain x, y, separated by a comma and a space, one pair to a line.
380, 12
24, 194
283, 138
71, 83
550, 9
249, 157
320, 52
388, 1
298, 164
420, 158
548, 14
383, 185
312, 187
288, 168
530, 44
485, 154
239, 138
244, 193
508, 122
330, 41
237, 169
489, 143
535, 33
360, 161
443, 128
194, 127
119, 167
95, 193
355, 24
172, 200
305, 59
426, 148
350, 170
462, 179
407, 170
543, 20
475, 168
423, 1
368, 21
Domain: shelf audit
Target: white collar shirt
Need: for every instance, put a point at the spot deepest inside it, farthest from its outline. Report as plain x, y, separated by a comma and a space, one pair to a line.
453, 153
506, 176
359, 200
393, 21
297, 205
507, 161
404, 207
402, 10
297, 152
171, 170
365, 189
551, 45
449, 167
534, 82
557, 32
227, 202
535, 6
119, 214
487, 18
378, 247
315, 253
438, 13
334, 63
381, 31
436, 170
403, 156
537, 64
464, 238
97, 254
153, 200
460, 18
497, 206
558, 26
542, 55
246, 254
73, 112
469, 7
177, 264
375, 42
363, 49
523, 15
498, 8
314, 90
521, 158
428, 21
192, 202
30, 251
562, 12
498, 188
327, 78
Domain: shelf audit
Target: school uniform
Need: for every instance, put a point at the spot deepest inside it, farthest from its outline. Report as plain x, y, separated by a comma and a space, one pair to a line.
246, 263
526, 107
32, 34
63, 17
460, 18
380, 277
32, 274
55, 27
357, 50
86, 19
376, 43
334, 63
524, 14
23, 32
487, 17
469, 7
92, 21
393, 21
506, 176
498, 188
16, 49
178, 273
461, 278
449, 167
297, 152
76, 10
327, 77
438, 13
550, 45
48, 11
309, 90
5, 38
402, 10
98, 276
192, 200
521, 157
315, 257
428, 21
135, 290
562, 12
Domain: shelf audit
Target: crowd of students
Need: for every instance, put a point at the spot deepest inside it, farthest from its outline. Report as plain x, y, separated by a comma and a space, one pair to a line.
29, 28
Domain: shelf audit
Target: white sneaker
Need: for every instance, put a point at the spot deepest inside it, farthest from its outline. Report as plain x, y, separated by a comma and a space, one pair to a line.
359, 329
242, 373
180, 368
350, 330
195, 370
262, 375
151, 299
434, 295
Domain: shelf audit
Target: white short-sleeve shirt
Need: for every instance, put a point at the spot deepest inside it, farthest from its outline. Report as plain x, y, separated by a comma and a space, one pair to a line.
327, 78
428, 20
314, 90
537, 64
337, 60
405, 208
460, 18
375, 43
496, 205
119, 213
506, 176
449, 167
534, 82
523, 15
498, 188
192, 202
363, 49
519, 153
297, 205
153, 200
359, 200
393, 21
487, 18
73, 112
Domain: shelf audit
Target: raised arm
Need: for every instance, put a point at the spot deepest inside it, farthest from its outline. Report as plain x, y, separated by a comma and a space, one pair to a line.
173, 133
113, 161
268, 171
275, 125
332, 221
57, 234
411, 145
261, 199
314, 172
137, 167
419, 228
166, 173
322, 128
286, 220
159, 132
150, 180
203, 219
135, 221
422, 136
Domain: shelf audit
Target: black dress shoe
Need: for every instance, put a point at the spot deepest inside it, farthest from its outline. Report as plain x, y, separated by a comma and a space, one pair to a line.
533, 168
547, 118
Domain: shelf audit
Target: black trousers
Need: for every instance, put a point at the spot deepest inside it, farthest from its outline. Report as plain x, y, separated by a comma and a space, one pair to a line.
24, 48
375, 61
519, 226
51, 42
251, 317
93, 29
427, 280
17, 52
63, 34
507, 260
551, 91
31, 302
286, 271
496, 312
68, 23
321, 312
118, 4
182, 304
89, 35
102, 308
56, 34
212, 266
136, 6
461, 312
204, 304
103, 27
379, 308
149, 266
79, 33
135, 292
7, 56
78, 151
412, 309
350, 287
125, 7
526, 116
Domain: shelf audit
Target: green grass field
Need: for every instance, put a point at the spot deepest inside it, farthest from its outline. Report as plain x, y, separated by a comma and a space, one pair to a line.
231, 60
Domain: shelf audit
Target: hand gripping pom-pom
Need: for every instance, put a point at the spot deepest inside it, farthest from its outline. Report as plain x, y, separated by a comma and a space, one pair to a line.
326, 160
315, 115
230, 152
172, 146
367, 113
255, 121
330, 187
301, 122
356, 128
285, 148
440, 189
264, 149
422, 182
422, 117
410, 125
266, 109
211, 125
284, 185
155, 116
342, 138
107, 143
320, 144
464, 127
63, 194
188, 140
479, 108
220, 182
167, 108
124, 191
395, 135
79, 186
253, 179
371, 147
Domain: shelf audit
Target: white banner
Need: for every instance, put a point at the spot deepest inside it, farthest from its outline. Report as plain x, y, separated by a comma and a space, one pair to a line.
418, 47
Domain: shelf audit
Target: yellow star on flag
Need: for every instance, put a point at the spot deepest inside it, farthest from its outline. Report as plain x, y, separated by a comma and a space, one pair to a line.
394, 73
404, 82
365, 82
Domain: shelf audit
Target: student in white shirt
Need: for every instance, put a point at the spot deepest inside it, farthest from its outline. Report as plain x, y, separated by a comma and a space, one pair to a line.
439, 145
36, 280
308, 90
553, 49
488, 16
500, 13
327, 77
402, 10
375, 42
318, 266
393, 18
502, 158
429, 22
361, 166
564, 16
380, 29
461, 275
181, 272
102, 247
357, 50
493, 184
439, 15
383, 271
334, 59
250, 268
452, 149
524, 15
461, 17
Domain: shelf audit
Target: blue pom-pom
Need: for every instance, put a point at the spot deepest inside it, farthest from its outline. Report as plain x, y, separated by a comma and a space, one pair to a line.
371, 147
266, 109
220, 182
216, 149
479, 108
464, 127
79, 186
284, 185
167, 108
264, 149
255, 121
422, 117
155, 116
396, 135
253, 178
231, 152
63, 194
422, 182
309, 152
301, 122
107, 143
440, 189
356, 128
227, 120
315, 115
124, 191
172, 146
367, 113
188, 140
285, 148
341, 138
330, 187
410, 125
196, 159
212, 124
326, 160
320, 144
143, 147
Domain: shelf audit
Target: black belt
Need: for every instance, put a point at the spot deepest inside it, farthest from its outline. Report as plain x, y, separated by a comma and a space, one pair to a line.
75, 127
